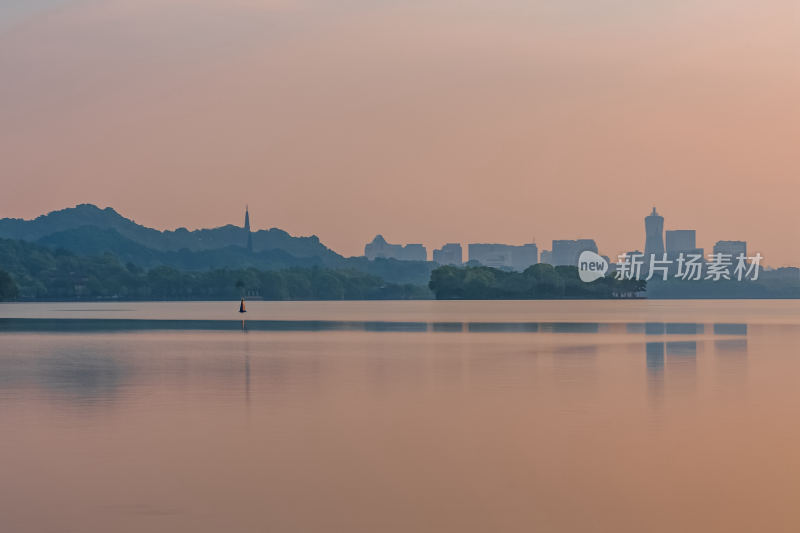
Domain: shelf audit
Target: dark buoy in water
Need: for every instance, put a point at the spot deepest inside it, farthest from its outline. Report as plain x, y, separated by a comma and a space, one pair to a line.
241, 307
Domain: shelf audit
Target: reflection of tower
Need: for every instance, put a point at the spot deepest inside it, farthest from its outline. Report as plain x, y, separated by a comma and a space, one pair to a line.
654, 228
247, 229
655, 371
247, 377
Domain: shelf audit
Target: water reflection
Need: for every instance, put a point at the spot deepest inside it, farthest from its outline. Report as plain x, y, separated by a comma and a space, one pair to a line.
684, 329
685, 348
680, 372
83, 375
571, 327
655, 358
654, 328
731, 364
452, 327
247, 375
667, 328
730, 329
731, 346
382, 326
490, 423
575, 368
501, 327
654, 352
82, 325
670, 363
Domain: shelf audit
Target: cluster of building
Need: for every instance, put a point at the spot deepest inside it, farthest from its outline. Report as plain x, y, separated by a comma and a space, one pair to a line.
505, 256
493, 255
562, 252
379, 248
681, 241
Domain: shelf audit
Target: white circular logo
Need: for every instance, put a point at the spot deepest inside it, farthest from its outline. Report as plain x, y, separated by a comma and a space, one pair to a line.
591, 266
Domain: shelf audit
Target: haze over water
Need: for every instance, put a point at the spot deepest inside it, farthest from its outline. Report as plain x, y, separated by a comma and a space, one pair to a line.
390, 416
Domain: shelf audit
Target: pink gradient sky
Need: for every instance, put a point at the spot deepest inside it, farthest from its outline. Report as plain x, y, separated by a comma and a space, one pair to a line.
439, 121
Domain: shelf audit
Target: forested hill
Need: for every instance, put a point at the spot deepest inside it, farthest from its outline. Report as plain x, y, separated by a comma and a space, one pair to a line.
87, 230
58, 225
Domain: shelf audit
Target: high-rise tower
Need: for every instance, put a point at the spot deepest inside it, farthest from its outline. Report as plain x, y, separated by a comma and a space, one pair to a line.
247, 229
654, 229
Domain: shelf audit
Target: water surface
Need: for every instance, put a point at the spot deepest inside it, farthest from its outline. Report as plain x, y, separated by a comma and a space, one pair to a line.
400, 416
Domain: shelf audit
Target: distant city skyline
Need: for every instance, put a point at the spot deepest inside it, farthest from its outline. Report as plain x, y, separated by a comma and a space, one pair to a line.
658, 241
518, 256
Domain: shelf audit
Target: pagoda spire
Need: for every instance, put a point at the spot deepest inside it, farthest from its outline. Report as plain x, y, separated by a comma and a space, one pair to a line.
247, 228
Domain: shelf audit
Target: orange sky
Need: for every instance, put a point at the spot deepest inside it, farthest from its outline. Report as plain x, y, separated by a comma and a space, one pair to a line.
438, 121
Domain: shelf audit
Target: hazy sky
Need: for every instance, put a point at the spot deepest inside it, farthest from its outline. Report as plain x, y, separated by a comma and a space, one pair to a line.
426, 121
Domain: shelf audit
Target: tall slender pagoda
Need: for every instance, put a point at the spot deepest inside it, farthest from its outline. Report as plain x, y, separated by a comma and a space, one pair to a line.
247, 229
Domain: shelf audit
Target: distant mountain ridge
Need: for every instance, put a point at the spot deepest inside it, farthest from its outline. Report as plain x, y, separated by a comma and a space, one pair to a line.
91, 231
93, 241
90, 215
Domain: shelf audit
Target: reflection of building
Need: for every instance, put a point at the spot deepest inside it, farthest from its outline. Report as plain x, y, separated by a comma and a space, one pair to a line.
504, 255
654, 229
380, 248
732, 248
655, 357
567, 252
449, 254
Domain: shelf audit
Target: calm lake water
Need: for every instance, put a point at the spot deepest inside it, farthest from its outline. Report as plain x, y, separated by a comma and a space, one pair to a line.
627, 416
